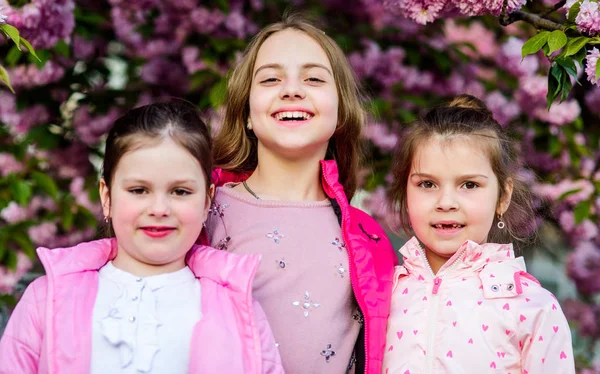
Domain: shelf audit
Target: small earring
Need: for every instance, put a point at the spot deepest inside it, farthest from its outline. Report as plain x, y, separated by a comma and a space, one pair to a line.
249, 124
500, 224
106, 219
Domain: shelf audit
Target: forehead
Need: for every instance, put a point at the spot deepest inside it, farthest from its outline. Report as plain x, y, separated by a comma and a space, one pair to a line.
291, 47
449, 156
164, 159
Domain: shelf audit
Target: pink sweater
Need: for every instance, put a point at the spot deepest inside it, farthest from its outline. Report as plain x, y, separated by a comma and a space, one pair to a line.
481, 313
50, 329
302, 282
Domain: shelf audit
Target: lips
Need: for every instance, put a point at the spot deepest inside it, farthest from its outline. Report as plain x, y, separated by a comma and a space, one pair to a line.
292, 115
157, 231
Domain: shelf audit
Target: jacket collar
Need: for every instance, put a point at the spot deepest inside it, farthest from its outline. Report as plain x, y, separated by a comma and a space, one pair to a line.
235, 271
470, 255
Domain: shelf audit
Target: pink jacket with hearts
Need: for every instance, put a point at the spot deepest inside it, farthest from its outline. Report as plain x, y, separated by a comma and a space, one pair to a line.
481, 313
50, 329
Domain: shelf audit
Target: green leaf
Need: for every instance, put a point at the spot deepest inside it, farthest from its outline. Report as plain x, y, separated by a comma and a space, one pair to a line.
62, 48
30, 48
13, 56
535, 43
566, 87
217, 94
554, 83
582, 211
597, 72
40, 58
11, 260
575, 45
569, 66
556, 40
21, 191
67, 218
24, 242
13, 33
45, 183
574, 11
5, 78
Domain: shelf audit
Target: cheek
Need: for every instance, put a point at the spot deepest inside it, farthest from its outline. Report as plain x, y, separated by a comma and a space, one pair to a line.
125, 209
192, 213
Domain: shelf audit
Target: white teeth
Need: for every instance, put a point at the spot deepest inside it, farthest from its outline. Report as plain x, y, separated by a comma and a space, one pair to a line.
292, 115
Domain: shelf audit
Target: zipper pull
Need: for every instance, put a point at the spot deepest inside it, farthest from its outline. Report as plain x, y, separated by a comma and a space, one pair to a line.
437, 281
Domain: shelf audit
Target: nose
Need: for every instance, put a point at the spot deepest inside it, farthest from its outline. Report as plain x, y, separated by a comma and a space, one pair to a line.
447, 201
160, 206
292, 89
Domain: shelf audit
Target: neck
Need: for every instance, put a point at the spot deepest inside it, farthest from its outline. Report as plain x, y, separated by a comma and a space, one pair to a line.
125, 262
283, 179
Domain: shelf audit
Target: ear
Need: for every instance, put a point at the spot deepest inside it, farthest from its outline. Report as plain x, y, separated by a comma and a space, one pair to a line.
211, 195
504, 202
104, 198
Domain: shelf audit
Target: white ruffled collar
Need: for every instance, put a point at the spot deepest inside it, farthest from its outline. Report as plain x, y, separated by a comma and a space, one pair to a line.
137, 303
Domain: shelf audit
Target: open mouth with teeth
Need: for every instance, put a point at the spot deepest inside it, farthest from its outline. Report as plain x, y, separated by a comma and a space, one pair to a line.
293, 116
448, 226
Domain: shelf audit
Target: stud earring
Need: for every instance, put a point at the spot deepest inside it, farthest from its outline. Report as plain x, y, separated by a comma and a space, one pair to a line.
106, 219
500, 224
249, 124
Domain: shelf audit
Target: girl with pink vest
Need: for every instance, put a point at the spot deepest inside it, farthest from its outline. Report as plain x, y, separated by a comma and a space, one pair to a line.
148, 300
288, 154
461, 302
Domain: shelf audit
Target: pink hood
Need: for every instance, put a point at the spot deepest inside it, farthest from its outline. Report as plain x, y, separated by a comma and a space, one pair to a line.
480, 313
371, 258
50, 329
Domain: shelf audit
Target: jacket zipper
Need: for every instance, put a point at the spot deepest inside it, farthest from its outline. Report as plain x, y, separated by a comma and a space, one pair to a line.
352, 282
437, 282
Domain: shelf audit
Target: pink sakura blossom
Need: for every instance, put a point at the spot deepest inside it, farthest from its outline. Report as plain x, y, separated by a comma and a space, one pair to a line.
504, 110
14, 213
42, 233
559, 113
29, 76
2, 16
584, 189
591, 61
381, 136
38, 203
583, 265
510, 58
77, 189
9, 164
586, 316
206, 21
19, 122
481, 38
9, 278
44, 23
91, 128
531, 93
191, 59
592, 100
588, 18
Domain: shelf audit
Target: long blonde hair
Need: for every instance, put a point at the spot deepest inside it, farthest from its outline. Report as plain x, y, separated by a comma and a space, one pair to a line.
235, 147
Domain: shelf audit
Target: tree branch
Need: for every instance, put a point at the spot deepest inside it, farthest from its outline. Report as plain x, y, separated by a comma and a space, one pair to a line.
534, 19
556, 7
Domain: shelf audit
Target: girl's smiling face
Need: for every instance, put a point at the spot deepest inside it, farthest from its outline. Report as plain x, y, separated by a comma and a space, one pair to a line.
452, 196
157, 203
293, 96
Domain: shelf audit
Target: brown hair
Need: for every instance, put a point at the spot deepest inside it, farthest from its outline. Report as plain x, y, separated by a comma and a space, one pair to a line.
235, 146
467, 116
177, 119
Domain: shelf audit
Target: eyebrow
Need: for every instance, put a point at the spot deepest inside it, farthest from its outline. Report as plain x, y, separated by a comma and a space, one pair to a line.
465, 176
175, 182
303, 67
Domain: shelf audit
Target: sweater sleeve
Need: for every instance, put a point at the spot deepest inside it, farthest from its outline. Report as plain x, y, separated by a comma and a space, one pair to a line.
21, 342
271, 361
549, 347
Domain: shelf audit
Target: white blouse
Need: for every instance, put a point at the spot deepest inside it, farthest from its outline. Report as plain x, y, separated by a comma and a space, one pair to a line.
144, 325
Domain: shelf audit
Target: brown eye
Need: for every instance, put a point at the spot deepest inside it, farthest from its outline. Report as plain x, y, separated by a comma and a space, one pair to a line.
426, 184
470, 185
